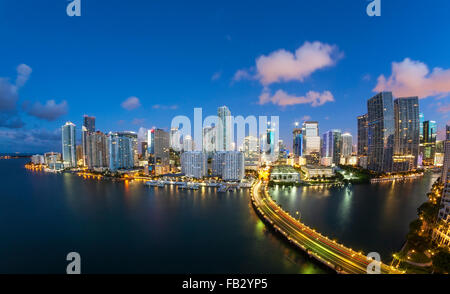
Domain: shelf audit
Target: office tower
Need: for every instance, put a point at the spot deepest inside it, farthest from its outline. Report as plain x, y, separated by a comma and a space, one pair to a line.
188, 144
88, 127
407, 133
446, 164
271, 142
347, 145
96, 153
429, 142
311, 138
362, 135
144, 149
224, 129
79, 154
381, 129
122, 150
209, 140
229, 165
69, 145
421, 120
175, 139
447, 132
251, 152
194, 164
297, 142
331, 145
158, 145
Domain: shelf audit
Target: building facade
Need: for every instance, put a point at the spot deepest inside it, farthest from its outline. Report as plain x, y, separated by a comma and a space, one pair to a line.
122, 150
69, 155
194, 164
362, 135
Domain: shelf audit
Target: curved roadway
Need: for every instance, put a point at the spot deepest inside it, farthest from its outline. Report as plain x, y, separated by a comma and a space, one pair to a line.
329, 252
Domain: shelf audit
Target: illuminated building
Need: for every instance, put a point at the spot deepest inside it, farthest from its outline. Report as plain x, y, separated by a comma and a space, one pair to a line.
407, 133
297, 144
347, 145
229, 165
188, 144
88, 127
175, 139
96, 150
284, 173
311, 138
158, 146
209, 140
69, 145
331, 145
446, 163
122, 150
362, 135
224, 129
251, 152
381, 129
429, 142
194, 164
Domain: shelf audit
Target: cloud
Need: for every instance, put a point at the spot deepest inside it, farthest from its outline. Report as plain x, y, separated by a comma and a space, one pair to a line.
131, 103
29, 140
242, 74
49, 111
284, 66
138, 121
8, 95
413, 78
11, 121
23, 74
306, 117
281, 98
216, 76
164, 107
444, 108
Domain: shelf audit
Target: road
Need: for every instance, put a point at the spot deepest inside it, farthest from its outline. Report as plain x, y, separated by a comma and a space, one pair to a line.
329, 252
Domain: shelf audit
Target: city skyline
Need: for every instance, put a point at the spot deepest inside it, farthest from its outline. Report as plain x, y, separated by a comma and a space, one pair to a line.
145, 82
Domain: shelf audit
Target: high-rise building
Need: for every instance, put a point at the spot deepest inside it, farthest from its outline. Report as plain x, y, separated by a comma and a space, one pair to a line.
194, 164
447, 132
407, 133
347, 145
88, 127
69, 145
229, 165
297, 144
224, 129
429, 142
362, 135
175, 139
446, 163
96, 153
311, 138
251, 152
122, 150
381, 129
332, 145
209, 140
158, 147
188, 143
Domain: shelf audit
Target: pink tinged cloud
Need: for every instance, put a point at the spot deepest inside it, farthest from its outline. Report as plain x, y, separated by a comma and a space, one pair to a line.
444, 109
284, 66
282, 98
131, 103
413, 78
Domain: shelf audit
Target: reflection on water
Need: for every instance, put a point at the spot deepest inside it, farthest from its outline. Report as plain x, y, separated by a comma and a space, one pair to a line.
372, 217
127, 227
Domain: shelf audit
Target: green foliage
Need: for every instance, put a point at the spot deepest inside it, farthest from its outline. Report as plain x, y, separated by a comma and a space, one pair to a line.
415, 226
441, 262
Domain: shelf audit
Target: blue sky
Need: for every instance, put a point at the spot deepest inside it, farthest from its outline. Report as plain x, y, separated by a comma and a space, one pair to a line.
177, 55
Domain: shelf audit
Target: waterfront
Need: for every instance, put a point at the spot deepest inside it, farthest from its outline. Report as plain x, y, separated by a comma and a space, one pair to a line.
367, 217
126, 227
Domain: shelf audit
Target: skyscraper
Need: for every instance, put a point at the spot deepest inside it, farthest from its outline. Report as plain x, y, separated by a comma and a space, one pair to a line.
224, 129
311, 139
447, 132
331, 145
194, 164
96, 153
297, 142
362, 135
229, 165
446, 165
381, 129
158, 146
188, 144
251, 152
69, 145
407, 133
347, 145
122, 149
429, 142
209, 140
88, 127
175, 139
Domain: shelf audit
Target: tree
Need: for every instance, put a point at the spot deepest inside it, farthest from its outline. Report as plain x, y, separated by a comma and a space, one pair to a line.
415, 226
428, 211
417, 242
441, 262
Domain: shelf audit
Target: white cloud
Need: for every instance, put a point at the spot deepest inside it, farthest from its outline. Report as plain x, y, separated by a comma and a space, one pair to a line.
49, 111
413, 78
131, 103
282, 98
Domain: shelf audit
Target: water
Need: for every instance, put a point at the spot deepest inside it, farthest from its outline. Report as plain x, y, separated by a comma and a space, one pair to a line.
122, 227
370, 217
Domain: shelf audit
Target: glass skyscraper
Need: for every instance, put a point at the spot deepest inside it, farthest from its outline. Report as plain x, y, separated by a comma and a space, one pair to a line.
407, 133
362, 135
331, 145
297, 144
381, 129
429, 141
88, 127
224, 129
69, 145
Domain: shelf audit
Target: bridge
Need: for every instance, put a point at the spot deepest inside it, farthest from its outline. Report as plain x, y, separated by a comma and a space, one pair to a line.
332, 254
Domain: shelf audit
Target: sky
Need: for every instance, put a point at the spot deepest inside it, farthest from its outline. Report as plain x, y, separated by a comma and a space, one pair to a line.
135, 65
